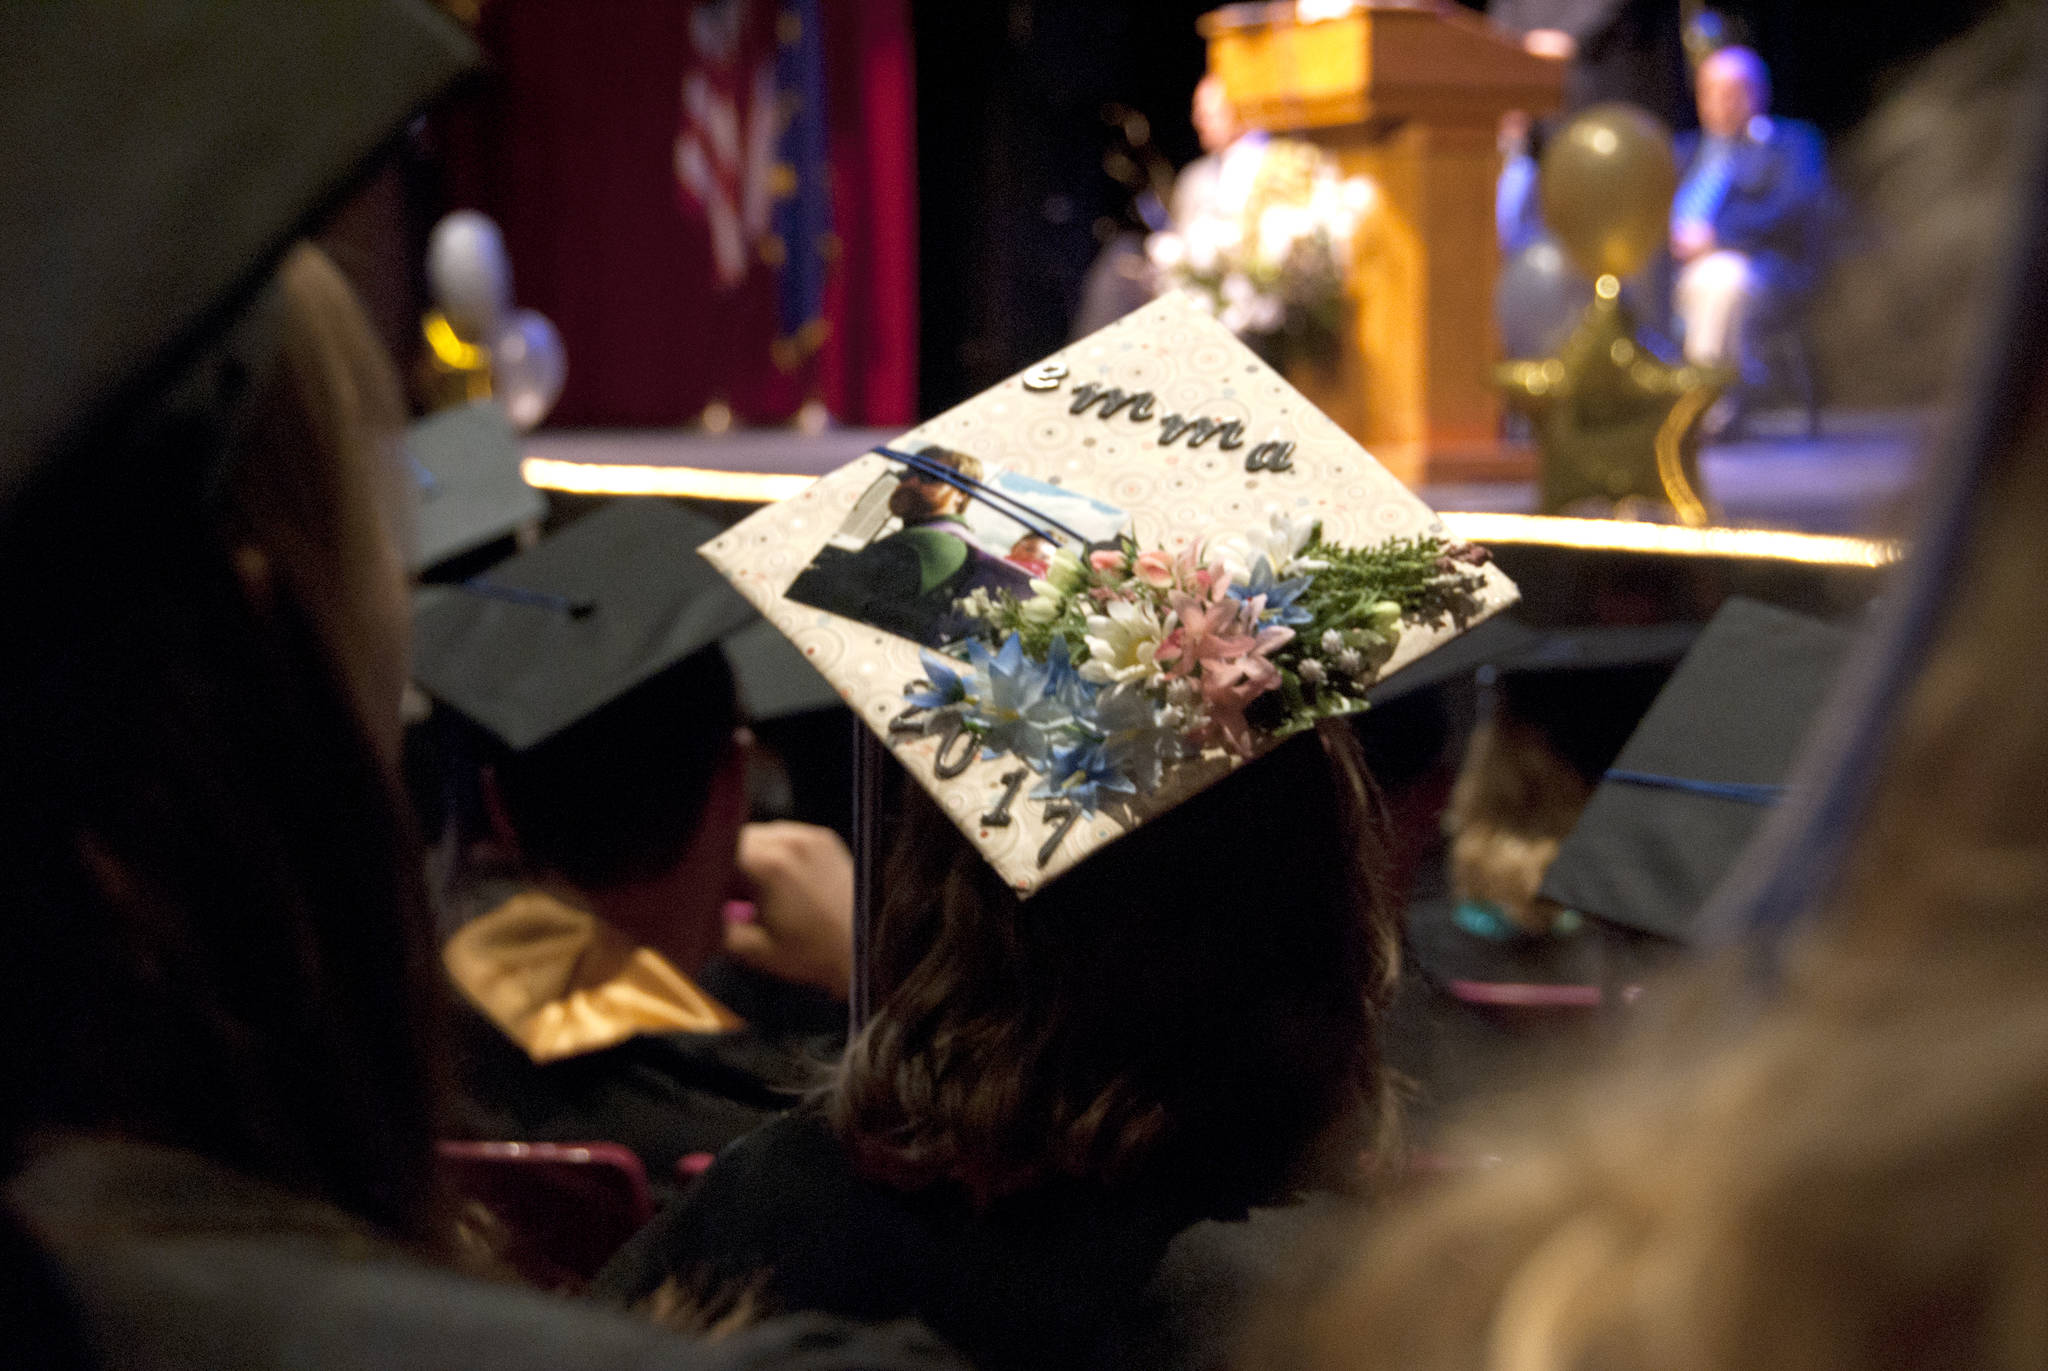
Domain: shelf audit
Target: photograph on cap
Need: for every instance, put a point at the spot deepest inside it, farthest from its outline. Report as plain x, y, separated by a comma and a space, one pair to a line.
940, 528
1089, 592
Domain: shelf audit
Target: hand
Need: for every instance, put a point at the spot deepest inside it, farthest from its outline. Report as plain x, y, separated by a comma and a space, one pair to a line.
1690, 239
800, 878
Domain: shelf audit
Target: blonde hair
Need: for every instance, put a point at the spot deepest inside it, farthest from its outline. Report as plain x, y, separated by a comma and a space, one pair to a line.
1514, 801
316, 484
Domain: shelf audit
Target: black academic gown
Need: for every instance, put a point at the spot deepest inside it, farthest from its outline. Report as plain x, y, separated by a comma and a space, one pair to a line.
1057, 1277
664, 1096
559, 1039
171, 1263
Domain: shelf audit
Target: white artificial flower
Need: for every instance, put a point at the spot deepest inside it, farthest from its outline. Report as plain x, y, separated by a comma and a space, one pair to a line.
1041, 608
1141, 739
1280, 543
1065, 572
1122, 643
1311, 671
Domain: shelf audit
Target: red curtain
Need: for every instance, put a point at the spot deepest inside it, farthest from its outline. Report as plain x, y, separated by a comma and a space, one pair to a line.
570, 146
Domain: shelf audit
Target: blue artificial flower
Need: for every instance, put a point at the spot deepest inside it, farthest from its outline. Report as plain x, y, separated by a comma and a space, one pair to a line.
1063, 681
945, 683
1280, 595
1132, 730
1084, 774
1016, 711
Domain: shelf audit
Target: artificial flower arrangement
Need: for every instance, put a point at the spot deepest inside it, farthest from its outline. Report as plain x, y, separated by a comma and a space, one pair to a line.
1125, 661
1274, 273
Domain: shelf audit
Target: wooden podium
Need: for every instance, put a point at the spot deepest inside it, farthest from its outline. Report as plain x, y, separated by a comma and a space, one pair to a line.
1411, 96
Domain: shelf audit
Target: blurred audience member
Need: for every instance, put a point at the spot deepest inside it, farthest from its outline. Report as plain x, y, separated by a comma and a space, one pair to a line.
1825, 1157
217, 1107
1748, 224
588, 696
585, 968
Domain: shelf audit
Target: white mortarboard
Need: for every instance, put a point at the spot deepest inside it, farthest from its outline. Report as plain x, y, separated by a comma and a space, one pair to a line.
1089, 592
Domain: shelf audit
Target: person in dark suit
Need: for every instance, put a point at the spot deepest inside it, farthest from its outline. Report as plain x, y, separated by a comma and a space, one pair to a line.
1749, 219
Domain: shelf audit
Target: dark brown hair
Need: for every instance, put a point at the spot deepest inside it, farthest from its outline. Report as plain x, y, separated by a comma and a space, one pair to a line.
1197, 1005
216, 936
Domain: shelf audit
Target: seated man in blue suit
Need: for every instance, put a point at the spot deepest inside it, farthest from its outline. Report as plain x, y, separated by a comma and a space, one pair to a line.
1749, 220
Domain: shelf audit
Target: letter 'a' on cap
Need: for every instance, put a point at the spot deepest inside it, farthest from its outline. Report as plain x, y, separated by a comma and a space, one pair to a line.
547, 638
1089, 592
156, 160
464, 463
1698, 777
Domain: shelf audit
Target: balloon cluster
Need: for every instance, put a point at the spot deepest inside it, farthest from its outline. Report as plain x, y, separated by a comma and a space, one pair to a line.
1615, 424
475, 335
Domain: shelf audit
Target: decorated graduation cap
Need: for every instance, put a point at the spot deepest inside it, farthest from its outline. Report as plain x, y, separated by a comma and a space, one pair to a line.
159, 160
465, 464
1700, 773
549, 637
1088, 593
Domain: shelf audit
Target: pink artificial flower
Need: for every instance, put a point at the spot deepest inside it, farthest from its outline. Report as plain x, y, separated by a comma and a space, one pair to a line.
1201, 631
1227, 724
1155, 569
1107, 559
1218, 644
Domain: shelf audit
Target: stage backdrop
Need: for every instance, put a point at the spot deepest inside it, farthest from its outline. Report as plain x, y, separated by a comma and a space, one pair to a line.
713, 201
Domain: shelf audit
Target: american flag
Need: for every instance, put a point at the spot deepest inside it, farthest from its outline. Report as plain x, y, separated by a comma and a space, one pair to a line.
750, 154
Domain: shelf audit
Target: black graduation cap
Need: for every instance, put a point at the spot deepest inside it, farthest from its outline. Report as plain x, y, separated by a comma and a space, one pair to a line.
1699, 774
556, 633
1505, 646
158, 161
465, 463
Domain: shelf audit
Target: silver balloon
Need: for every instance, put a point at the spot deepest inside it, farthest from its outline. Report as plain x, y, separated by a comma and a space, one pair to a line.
1537, 300
528, 367
470, 275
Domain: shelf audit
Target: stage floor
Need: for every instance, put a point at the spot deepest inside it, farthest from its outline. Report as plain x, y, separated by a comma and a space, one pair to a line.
1852, 479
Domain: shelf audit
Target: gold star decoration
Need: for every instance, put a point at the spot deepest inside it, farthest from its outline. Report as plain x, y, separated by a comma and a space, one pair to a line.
1615, 424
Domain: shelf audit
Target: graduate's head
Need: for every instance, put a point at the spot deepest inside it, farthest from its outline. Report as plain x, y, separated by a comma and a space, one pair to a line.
592, 680
638, 804
1195, 1008
218, 925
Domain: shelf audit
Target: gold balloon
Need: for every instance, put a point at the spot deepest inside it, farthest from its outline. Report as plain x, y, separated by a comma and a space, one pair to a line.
1608, 178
